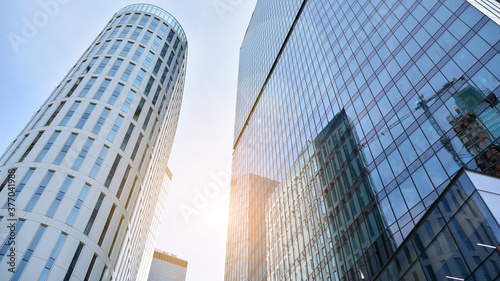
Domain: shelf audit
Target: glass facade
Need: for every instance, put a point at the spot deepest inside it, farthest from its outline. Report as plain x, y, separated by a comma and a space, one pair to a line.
75, 178
361, 113
458, 237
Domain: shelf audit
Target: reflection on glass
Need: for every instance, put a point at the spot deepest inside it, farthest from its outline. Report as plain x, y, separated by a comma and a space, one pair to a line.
459, 220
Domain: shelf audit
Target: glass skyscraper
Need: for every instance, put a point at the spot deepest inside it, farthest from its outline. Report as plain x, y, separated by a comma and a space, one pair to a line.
90, 168
354, 121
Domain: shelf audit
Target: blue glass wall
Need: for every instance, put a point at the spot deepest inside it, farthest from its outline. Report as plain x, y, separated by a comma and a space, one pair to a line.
458, 238
418, 82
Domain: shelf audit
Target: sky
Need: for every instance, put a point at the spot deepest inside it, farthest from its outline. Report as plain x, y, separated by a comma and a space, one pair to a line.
33, 62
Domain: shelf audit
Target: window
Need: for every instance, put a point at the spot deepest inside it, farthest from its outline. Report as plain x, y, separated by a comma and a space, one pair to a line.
146, 120
144, 20
115, 128
157, 66
153, 128
164, 75
136, 147
176, 44
91, 51
115, 94
156, 43
147, 36
33, 143
168, 85
78, 204
122, 183
54, 114
89, 269
164, 51
65, 149
98, 162
62, 90
101, 120
139, 109
106, 225
85, 116
180, 52
6, 245
114, 47
175, 66
127, 72
138, 53
115, 67
134, 18
39, 191
139, 77
170, 58
157, 93
143, 157
101, 50
41, 116
163, 29
10, 178
115, 20
29, 253
59, 197
114, 237
74, 87
47, 146
92, 62
126, 49
104, 272
88, 87
148, 60
73, 262
131, 192
21, 185
83, 153
112, 170
115, 31
128, 101
136, 33
90, 223
101, 90
106, 33
161, 104
70, 113
126, 138
124, 19
170, 36
53, 256
154, 24
82, 63
15, 150
147, 89
102, 65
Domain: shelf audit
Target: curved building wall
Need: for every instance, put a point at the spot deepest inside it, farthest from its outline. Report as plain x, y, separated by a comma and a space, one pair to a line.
90, 164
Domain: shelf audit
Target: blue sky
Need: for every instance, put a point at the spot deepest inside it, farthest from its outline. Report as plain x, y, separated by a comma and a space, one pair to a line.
195, 220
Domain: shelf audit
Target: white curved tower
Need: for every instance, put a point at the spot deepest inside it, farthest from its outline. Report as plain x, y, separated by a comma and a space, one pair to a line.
86, 178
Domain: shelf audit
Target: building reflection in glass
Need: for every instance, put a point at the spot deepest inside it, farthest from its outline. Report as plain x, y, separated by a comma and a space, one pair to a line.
457, 239
246, 247
323, 220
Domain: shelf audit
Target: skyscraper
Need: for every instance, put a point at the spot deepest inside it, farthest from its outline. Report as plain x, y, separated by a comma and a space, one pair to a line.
364, 115
167, 267
90, 169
